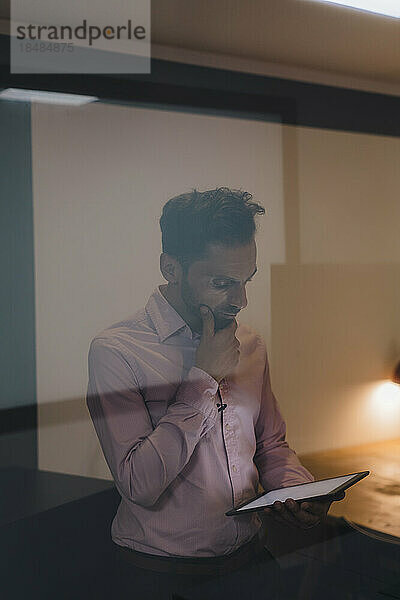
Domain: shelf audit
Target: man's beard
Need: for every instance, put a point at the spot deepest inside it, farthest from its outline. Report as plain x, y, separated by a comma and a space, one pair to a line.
194, 306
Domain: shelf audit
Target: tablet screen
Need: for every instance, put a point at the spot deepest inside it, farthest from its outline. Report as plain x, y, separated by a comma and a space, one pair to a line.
298, 492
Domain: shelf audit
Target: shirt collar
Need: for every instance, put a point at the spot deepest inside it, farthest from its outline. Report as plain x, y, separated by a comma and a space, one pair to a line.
165, 318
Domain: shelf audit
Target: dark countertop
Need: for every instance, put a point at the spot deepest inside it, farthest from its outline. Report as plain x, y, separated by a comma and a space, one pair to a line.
374, 502
55, 542
26, 492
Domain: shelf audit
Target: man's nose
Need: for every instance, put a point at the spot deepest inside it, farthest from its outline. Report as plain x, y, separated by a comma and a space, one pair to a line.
240, 298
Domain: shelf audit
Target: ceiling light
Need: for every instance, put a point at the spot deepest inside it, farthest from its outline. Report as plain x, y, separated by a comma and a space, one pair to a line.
390, 8
46, 97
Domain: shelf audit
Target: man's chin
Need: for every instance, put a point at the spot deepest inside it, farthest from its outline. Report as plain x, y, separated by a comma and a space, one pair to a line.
222, 321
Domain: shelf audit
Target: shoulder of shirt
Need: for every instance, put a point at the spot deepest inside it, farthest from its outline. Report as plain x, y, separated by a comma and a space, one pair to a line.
122, 334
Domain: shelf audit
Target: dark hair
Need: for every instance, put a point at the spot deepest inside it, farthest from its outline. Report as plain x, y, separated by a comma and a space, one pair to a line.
191, 221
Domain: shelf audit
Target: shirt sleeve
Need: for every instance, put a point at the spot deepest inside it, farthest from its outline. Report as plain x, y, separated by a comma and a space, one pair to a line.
277, 464
144, 460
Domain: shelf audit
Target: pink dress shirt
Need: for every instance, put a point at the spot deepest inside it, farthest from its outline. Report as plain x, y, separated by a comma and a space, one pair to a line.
179, 464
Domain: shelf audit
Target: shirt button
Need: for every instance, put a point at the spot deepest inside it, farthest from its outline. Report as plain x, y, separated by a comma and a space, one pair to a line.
234, 469
227, 426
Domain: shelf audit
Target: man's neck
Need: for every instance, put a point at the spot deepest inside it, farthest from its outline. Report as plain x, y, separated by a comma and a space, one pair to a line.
171, 294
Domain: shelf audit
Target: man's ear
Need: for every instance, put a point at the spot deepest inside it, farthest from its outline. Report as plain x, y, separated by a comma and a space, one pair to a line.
170, 268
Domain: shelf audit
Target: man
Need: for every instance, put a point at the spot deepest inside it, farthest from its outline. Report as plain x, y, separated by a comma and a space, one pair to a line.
181, 401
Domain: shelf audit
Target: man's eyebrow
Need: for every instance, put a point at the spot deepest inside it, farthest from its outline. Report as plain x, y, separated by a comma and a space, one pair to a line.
227, 278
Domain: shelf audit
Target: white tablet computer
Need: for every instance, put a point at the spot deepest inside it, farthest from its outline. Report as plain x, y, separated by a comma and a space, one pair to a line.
314, 490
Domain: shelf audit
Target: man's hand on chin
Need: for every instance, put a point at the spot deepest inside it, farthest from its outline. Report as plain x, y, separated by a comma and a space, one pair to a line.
301, 514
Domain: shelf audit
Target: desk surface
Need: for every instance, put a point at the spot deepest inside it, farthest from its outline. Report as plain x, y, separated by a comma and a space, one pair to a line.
374, 502
26, 492
81, 566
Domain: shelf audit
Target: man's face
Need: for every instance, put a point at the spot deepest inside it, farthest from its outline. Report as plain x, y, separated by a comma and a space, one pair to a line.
219, 281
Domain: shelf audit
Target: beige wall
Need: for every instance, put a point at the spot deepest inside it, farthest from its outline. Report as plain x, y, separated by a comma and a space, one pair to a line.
335, 304
335, 337
349, 189
329, 259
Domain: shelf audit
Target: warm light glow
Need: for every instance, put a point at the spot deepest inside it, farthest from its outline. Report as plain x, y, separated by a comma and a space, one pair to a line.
45, 97
396, 374
389, 8
385, 400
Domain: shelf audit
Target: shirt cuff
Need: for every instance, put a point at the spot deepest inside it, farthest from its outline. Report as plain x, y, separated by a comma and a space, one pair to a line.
199, 390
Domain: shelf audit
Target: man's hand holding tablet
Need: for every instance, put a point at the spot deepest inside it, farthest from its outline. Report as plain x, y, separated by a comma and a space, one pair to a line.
303, 505
301, 514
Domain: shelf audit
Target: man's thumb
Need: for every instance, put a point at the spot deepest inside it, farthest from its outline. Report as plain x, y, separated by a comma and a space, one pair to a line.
207, 318
203, 310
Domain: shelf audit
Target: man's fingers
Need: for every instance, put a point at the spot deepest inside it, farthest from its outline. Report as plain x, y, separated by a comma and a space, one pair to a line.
280, 519
281, 511
293, 518
208, 320
276, 515
292, 505
290, 513
306, 518
286, 517
314, 508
